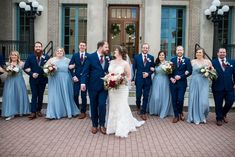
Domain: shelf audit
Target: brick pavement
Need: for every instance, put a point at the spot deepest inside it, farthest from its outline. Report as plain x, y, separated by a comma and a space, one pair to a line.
71, 137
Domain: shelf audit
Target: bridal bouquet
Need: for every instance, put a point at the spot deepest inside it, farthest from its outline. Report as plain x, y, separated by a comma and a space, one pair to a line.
167, 68
49, 69
208, 72
113, 81
12, 70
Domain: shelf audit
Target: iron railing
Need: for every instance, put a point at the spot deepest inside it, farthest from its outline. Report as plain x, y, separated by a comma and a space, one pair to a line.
195, 49
49, 49
6, 46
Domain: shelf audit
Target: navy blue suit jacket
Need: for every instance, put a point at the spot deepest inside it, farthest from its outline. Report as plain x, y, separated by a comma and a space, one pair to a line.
226, 79
31, 63
78, 65
2, 62
139, 68
185, 66
93, 72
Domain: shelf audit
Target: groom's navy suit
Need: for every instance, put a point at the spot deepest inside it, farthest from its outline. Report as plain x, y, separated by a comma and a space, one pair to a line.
178, 89
222, 87
92, 73
79, 64
142, 84
37, 84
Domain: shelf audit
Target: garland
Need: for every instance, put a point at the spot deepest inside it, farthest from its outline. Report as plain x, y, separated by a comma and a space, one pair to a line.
115, 29
130, 29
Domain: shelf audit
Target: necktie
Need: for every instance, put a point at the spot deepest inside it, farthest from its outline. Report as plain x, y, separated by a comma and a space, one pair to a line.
179, 62
145, 59
101, 60
223, 64
81, 58
38, 60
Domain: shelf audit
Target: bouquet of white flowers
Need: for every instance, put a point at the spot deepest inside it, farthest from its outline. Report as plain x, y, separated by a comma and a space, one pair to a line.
12, 70
208, 72
167, 68
113, 81
49, 69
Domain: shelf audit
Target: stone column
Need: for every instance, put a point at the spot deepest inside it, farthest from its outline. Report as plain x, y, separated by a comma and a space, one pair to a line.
53, 22
195, 14
40, 24
206, 29
6, 26
152, 25
96, 15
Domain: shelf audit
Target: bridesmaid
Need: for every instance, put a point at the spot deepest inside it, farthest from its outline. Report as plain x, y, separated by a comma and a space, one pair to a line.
15, 98
198, 108
160, 96
60, 89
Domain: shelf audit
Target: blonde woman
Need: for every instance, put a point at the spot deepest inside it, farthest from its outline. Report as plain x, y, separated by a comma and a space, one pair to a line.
60, 88
15, 99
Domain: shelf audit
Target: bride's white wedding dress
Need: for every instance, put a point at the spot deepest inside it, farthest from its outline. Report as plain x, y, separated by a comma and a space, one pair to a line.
120, 119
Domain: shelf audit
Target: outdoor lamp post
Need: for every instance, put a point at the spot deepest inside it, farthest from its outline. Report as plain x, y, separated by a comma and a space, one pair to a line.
215, 13
32, 9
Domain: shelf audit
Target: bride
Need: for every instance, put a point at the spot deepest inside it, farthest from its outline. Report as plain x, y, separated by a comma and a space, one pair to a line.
120, 119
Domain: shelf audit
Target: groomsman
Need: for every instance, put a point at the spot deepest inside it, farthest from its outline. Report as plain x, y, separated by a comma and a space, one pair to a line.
178, 82
37, 79
76, 67
142, 77
223, 87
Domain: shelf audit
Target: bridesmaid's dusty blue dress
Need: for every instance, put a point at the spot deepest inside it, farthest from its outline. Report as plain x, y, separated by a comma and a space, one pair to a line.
60, 92
160, 96
15, 98
198, 108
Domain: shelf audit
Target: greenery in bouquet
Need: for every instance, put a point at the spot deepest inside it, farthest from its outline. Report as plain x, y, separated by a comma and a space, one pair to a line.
49, 69
12, 70
208, 72
167, 68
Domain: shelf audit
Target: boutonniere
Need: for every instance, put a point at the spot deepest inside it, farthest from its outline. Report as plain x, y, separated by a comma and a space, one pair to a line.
228, 64
107, 58
183, 61
149, 60
43, 56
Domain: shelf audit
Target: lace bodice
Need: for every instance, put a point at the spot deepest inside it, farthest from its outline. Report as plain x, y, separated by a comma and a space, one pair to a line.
116, 68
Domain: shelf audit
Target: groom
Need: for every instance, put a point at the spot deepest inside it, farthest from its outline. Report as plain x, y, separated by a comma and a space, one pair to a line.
96, 66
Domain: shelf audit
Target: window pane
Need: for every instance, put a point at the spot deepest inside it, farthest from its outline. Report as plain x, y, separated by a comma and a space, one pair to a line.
133, 12
113, 13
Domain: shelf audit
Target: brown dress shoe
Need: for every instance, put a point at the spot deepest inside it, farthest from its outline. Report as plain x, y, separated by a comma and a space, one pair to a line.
175, 120
103, 130
138, 110
225, 119
82, 116
144, 117
94, 130
182, 117
219, 123
39, 114
32, 116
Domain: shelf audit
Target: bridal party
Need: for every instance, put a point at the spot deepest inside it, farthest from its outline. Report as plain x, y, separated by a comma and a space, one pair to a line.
104, 79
